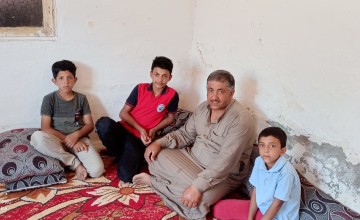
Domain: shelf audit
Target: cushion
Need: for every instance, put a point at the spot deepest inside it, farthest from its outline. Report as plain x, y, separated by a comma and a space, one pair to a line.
243, 191
181, 117
36, 182
19, 160
233, 209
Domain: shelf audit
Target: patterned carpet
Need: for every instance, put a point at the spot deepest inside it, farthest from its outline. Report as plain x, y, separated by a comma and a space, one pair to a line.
316, 205
107, 197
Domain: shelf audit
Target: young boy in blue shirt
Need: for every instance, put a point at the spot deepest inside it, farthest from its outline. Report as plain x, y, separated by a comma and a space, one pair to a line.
66, 122
277, 188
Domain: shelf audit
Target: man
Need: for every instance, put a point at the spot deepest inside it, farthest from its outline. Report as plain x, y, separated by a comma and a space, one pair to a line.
195, 166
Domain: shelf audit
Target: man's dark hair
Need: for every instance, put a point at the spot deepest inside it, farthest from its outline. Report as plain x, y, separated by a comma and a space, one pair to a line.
276, 132
163, 63
63, 65
222, 76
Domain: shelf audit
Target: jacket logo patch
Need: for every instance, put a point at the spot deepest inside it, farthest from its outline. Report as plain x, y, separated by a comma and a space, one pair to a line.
160, 108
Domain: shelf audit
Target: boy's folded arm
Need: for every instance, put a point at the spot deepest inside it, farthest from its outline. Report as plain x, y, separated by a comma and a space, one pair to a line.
128, 119
46, 127
165, 122
273, 209
87, 128
71, 139
81, 146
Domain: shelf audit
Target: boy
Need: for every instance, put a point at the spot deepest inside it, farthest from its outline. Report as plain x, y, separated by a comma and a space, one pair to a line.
276, 184
148, 108
65, 123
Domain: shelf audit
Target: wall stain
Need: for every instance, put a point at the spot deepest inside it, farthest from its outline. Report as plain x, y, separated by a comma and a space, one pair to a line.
90, 24
325, 166
201, 54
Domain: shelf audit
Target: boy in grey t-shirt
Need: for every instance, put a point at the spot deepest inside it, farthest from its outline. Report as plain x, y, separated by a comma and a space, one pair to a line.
66, 122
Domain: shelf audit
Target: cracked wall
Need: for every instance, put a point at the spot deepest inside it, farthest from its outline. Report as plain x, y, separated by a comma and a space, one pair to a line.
298, 72
325, 166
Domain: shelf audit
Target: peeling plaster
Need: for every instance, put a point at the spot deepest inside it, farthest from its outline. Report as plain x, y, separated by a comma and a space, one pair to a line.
325, 166
200, 49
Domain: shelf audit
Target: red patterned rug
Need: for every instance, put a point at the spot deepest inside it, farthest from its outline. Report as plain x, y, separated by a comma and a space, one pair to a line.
108, 198
105, 197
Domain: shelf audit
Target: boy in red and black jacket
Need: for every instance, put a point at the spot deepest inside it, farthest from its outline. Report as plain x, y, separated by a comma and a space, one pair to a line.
149, 108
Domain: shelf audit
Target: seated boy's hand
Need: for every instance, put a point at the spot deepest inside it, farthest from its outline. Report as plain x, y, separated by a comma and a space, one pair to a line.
80, 146
145, 138
70, 140
152, 133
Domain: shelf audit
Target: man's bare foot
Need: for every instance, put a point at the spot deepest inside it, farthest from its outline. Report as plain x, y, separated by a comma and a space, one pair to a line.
142, 179
80, 172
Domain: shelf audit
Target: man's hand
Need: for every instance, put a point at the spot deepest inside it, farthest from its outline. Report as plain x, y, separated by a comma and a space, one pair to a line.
152, 151
191, 197
80, 146
70, 140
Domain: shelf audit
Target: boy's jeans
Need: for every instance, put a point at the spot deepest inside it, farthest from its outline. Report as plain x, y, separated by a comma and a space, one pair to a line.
128, 149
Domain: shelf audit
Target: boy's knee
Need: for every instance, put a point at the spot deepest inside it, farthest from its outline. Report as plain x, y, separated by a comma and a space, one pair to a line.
36, 137
104, 122
97, 171
103, 125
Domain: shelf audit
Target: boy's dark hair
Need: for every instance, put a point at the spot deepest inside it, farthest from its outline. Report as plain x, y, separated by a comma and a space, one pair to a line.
276, 132
63, 65
222, 76
163, 63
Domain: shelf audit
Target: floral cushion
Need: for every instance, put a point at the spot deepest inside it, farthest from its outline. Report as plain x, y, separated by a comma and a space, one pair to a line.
19, 160
243, 191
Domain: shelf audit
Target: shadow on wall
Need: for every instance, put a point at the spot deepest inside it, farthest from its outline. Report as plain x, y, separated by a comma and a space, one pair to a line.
98, 110
246, 91
189, 93
84, 85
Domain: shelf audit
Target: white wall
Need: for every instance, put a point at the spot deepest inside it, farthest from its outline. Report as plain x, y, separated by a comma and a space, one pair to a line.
296, 64
113, 44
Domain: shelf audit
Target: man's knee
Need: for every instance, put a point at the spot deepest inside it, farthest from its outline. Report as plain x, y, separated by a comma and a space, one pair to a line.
166, 156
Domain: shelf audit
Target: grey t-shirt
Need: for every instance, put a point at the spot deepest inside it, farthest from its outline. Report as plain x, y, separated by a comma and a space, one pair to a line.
66, 116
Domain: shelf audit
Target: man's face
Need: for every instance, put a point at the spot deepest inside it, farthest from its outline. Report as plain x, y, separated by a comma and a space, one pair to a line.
219, 95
